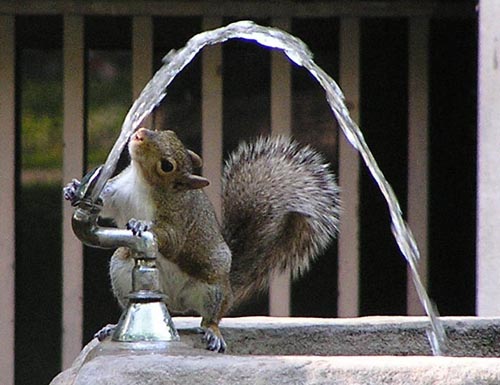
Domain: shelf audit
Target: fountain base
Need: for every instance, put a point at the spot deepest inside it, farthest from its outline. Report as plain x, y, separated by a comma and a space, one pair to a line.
366, 350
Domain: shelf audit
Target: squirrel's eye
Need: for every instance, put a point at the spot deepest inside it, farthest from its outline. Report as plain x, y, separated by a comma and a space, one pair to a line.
166, 165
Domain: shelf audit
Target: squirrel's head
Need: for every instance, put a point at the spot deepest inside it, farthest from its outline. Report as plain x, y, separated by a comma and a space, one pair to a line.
164, 161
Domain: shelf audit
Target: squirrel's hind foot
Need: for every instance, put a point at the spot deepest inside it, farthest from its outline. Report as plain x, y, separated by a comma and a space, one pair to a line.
105, 332
214, 340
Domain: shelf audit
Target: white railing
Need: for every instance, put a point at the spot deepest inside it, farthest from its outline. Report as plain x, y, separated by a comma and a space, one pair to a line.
7, 198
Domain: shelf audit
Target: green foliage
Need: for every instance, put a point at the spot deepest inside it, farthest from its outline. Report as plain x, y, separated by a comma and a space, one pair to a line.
103, 129
108, 100
41, 115
41, 141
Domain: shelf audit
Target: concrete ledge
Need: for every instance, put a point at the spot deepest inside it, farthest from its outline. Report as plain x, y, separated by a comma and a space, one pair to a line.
298, 351
224, 369
399, 336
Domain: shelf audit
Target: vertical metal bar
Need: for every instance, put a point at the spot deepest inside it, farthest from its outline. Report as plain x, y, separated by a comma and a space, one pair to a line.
73, 136
142, 54
348, 242
281, 123
488, 175
418, 146
211, 88
7, 198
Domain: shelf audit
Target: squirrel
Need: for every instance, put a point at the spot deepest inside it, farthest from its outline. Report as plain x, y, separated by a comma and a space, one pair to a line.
280, 209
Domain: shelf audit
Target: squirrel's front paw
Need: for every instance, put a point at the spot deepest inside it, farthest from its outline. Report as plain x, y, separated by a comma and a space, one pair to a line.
69, 191
214, 340
105, 332
138, 227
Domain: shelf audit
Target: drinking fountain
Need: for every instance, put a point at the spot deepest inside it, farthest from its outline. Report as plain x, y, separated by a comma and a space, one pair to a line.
85, 216
146, 317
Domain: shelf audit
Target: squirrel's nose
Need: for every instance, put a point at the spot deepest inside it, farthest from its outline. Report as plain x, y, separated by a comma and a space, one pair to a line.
141, 134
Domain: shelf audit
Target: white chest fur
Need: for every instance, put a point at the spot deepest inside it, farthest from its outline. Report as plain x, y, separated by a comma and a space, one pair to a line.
128, 196
183, 293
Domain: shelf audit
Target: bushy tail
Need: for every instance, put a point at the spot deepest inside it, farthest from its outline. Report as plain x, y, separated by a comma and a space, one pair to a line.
280, 209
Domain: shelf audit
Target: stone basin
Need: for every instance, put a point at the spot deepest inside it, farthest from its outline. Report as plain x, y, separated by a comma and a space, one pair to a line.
399, 336
267, 350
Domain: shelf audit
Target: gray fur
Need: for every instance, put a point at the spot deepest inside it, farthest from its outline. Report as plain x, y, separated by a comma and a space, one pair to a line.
280, 209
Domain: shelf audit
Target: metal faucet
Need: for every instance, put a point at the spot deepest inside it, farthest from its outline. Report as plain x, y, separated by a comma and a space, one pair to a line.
146, 317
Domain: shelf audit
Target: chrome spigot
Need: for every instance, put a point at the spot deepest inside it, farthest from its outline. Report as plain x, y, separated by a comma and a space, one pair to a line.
146, 317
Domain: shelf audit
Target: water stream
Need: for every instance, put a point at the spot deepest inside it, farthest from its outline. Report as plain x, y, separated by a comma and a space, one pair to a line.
297, 52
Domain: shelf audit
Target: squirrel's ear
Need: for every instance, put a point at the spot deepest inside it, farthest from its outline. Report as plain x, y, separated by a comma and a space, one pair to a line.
195, 182
195, 159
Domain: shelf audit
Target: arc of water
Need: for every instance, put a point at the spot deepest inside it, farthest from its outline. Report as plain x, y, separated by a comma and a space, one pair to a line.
297, 52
